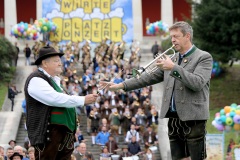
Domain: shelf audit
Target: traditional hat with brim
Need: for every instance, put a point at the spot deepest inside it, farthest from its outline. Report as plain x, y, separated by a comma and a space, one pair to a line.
15, 155
46, 52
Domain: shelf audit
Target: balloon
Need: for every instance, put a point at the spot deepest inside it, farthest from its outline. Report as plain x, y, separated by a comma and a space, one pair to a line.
214, 123
236, 119
223, 118
229, 121
157, 28
237, 112
222, 112
232, 114
217, 114
218, 120
233, 109
233, 105
227, 109
220, 127
44, 28
236, 127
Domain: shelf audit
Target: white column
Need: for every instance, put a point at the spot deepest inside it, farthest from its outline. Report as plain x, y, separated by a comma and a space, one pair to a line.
164, 144
39, 14
39, 9
10, 17
167, 11
137, 20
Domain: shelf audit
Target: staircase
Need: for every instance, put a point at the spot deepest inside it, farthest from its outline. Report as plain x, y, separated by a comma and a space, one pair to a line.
22, 133
96, 150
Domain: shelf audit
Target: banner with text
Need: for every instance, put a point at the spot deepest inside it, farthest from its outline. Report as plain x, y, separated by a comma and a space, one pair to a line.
215, 146
94, 20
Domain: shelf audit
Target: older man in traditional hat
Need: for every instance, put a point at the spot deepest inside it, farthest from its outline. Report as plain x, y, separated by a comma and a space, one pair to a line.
51, 116
16, 156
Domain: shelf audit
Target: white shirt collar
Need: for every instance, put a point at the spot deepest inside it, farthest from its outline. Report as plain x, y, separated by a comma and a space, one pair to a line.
55, 78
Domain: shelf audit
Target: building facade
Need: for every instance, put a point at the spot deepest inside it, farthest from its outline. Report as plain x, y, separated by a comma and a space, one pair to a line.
144, 12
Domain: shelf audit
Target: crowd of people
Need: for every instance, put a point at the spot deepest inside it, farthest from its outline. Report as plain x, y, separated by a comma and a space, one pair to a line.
130, 114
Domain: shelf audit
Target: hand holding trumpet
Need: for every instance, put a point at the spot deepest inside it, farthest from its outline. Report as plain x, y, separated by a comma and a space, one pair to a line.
165, 63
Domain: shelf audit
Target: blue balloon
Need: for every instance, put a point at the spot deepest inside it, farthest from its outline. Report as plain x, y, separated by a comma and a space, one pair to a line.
223, 118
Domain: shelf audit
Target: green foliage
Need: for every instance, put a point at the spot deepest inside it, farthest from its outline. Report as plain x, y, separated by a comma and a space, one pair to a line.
165, 44
216, 26
3, 92
8, 54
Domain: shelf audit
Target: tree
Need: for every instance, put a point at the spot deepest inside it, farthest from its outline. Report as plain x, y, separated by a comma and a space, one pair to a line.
8, 54
216, 26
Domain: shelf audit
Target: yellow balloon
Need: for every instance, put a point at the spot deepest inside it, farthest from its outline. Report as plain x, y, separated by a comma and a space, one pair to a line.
237, 112
236, 127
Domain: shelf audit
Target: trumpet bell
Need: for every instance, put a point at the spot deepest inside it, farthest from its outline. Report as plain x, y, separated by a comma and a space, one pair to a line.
137, 72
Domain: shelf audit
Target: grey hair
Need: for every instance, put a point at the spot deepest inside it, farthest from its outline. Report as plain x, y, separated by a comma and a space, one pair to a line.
184, 27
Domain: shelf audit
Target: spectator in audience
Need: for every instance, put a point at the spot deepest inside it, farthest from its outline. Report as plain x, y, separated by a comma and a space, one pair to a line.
102, 137
16, 156
149, 137
2, 152
132, 133
125, 152
134, 147
11, 94
27, 52
24, 153
79, 136
82, 152
105, 153
12, 143
19, 149
149, 155
155, 49
31, 152
141, 120
126, 120
114, 119
134, 122
111, 145
104, 124
153, 118
9, 153
94, 116
105, 110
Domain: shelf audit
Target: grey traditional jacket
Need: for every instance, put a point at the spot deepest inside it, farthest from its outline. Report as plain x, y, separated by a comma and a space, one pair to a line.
189, 81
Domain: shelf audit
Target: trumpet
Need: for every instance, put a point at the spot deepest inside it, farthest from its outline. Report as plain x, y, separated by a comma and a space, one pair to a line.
137, 72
